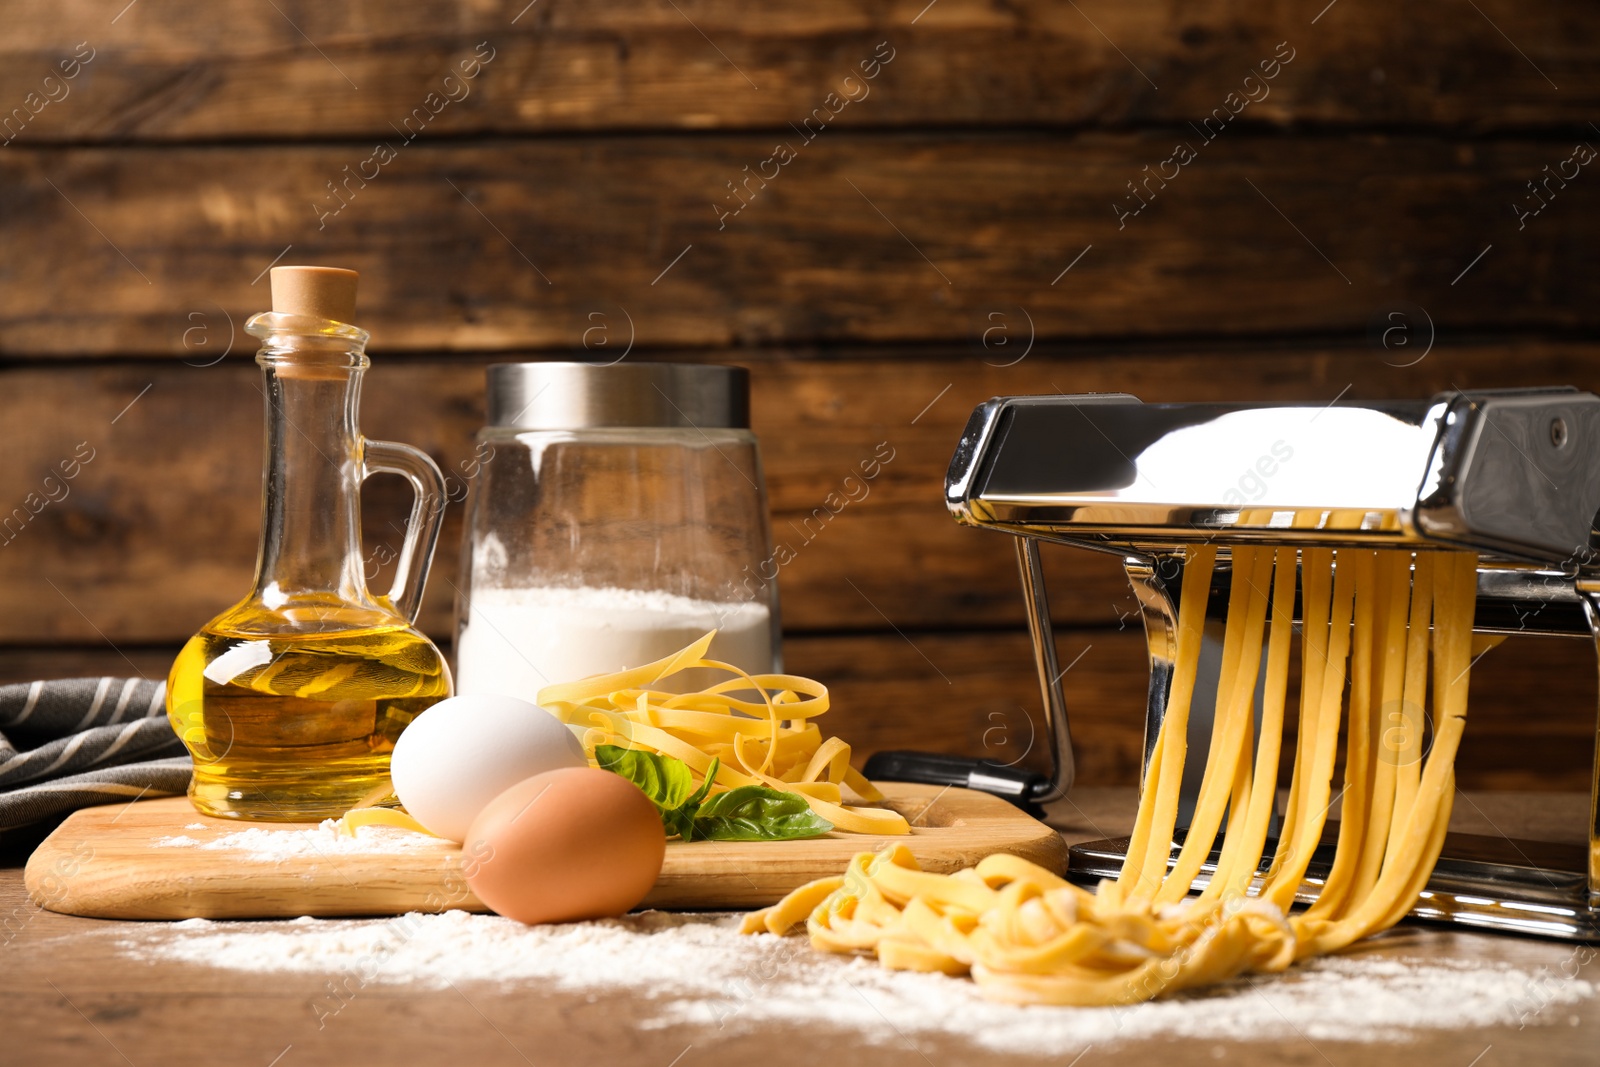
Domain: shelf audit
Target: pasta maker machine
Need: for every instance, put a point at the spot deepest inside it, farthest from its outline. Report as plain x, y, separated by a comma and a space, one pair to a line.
1511, 474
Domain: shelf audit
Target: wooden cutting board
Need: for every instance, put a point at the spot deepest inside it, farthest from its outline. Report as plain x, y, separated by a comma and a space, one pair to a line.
106, 862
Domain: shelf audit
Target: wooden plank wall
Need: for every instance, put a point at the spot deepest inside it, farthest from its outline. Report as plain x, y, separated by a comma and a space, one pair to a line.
888, 210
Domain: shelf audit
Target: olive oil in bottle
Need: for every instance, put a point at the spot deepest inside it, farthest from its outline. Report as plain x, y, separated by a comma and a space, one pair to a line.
297, 726
291, 701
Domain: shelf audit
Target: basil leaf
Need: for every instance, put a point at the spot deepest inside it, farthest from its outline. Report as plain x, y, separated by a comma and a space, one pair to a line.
754, 800
758, 813
679, 821
747, 813
705, 786
665, 780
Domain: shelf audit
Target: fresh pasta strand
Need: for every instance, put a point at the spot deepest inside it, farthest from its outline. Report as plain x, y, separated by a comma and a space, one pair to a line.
771, 741
1380, 620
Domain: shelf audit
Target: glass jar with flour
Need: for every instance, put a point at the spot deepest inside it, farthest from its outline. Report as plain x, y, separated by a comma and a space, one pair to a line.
618, 514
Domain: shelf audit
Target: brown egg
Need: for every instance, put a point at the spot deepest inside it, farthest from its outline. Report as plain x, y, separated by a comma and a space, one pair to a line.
569, 844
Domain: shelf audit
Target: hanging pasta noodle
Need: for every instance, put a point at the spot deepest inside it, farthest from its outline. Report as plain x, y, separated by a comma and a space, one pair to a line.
1372, 623
758, 726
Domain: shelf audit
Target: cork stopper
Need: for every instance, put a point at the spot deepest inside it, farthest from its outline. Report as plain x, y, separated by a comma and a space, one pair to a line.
319, 292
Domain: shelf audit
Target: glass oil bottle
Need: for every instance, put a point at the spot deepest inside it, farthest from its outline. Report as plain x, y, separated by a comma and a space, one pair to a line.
291, 700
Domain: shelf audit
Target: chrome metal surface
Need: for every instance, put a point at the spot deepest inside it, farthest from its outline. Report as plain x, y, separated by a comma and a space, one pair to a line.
1478, 470
1156, 583
1590, 591
1064, 767
584, 396
1499, 479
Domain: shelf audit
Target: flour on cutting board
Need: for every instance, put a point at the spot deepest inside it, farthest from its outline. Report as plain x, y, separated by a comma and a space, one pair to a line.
697, 970
260, 845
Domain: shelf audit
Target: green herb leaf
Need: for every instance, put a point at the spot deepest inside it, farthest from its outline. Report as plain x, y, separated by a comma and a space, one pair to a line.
705, 786
747, 813
758, 813
688, 810
665, 780
680, 821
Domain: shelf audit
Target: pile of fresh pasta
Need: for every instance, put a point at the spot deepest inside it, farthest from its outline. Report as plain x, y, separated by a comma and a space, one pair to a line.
758, 728
1375, 624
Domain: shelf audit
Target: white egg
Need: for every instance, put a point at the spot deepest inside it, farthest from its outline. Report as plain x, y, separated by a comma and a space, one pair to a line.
463, 752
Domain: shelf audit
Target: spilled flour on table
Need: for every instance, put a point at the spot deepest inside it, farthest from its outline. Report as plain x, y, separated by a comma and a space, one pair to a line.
697, 970
258, 845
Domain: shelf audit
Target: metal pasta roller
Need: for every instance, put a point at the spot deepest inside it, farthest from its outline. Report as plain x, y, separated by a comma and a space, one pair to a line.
1511, 474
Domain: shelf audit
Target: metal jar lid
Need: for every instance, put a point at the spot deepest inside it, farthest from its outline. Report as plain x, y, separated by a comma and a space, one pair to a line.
584, 396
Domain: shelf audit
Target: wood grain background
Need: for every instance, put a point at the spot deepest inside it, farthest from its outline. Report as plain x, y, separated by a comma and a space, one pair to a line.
911, 260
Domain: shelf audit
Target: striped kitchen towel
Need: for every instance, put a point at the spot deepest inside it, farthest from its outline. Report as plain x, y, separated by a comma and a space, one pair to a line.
79, 741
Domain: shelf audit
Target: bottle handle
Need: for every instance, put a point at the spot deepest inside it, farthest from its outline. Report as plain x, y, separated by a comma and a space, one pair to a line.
422, 529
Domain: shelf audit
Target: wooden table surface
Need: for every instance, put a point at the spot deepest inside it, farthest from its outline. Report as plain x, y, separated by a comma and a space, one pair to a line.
70, 1001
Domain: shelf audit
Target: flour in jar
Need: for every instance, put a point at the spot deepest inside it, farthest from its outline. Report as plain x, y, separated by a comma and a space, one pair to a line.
516, 641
